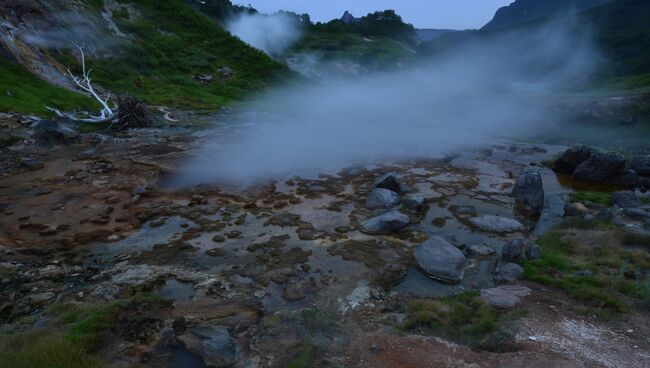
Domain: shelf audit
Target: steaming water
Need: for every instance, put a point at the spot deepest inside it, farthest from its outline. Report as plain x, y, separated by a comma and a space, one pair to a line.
468, 97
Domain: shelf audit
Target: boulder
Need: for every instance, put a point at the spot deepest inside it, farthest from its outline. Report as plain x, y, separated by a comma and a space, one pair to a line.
600, 167
513, 250
641, 165
529, 192
381, 198
508, 272
31, 164
440, 260
215, 345
389, 181
385, 224
505, 296
571, 159
497, 224
626, 199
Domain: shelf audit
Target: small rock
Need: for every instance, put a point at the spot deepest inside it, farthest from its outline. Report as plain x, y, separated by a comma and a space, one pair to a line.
381, 198
626, 199
480, 250
641, 165
389, 181
219, 239
497, 224
509, 272
31, 164
385, 224
505, 296
575, 210
513, 251
533, 253
416, 203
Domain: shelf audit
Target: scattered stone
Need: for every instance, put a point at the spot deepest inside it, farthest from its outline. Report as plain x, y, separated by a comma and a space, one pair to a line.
440, 260
575, 210
179, 325
91, 236
529, 192
480, 250
381, 198
283, 220
600, 167
219, 239
215, 252
416, 203
571, 159
385, 224
505, 296
626, 199
389, 181
215, 345
641, 165
513, 251
31, 164
533, 253
509, 272
234, 234
497, 224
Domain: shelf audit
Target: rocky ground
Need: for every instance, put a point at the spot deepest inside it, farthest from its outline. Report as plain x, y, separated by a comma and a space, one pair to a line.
359, 268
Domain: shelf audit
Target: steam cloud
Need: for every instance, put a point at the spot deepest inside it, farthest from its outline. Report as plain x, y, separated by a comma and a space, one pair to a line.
272, 34
466, 98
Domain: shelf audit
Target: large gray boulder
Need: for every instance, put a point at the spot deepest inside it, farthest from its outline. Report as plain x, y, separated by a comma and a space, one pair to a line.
505, 296
508, 272
381, 198
496, 224
440, 260
600, 167
570, 159
385, 224
641, 165
389, 181
529, 192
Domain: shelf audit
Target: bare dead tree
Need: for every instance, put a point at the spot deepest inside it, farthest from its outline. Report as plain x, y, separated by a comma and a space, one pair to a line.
106, 115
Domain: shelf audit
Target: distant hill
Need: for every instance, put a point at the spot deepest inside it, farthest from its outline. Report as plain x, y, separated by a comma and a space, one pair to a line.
522, 11
621, 30
427, 34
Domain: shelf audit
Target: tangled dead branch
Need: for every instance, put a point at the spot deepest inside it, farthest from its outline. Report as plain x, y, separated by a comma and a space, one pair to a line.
106, 115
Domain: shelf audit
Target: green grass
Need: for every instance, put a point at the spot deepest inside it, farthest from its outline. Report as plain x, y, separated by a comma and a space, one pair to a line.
463, 318
306, 357
600, 198
598, 248
41, 349
23, 92
171, 44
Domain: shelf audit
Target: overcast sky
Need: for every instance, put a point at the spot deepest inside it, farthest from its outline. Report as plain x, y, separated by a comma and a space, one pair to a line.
455, 14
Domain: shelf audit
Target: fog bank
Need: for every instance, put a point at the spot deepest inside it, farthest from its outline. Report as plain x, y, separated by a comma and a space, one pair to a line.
469, 97
272, 33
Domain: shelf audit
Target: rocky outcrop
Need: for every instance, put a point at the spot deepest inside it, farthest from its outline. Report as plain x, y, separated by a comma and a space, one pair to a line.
389, 181
440, 260
522, 11
529, 192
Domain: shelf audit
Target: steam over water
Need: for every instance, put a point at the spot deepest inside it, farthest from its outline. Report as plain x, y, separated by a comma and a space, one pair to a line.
468, 97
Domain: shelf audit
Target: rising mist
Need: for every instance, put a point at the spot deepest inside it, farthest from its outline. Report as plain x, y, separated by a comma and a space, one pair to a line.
486, 91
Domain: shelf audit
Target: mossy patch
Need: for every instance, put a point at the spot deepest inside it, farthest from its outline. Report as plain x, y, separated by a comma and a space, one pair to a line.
599, 198
43, 349
464, 318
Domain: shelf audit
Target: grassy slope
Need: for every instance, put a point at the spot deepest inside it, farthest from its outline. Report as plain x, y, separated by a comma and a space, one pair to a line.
380, 52
171, 44
23, 92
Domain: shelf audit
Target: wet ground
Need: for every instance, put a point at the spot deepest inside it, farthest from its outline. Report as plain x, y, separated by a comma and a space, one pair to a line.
263, 267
